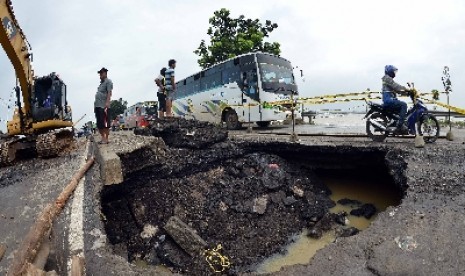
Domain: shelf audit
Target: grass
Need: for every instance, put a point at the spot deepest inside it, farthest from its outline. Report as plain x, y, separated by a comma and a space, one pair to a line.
445, 123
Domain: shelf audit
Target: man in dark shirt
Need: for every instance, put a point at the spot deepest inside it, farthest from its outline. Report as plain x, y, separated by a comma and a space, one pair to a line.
102, 105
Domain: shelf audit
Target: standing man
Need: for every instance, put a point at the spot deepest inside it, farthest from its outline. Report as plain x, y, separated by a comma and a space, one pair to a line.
161, 95
102, 105
170, 86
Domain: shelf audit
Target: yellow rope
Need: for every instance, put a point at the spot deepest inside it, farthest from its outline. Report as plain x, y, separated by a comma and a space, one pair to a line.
325, 99
218, 263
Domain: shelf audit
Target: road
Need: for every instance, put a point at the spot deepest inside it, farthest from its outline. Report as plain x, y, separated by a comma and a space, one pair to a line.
431, 212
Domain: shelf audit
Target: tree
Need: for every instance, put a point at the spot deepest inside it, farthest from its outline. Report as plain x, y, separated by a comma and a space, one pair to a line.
435, 93
230, 37
117, 107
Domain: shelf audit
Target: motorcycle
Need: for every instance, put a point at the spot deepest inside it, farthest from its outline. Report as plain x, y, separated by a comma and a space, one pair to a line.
381, 122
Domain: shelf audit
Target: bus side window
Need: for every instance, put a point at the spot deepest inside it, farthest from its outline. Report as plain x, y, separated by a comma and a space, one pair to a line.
226, 76
196, 86
217, 79
250, 84
245, 83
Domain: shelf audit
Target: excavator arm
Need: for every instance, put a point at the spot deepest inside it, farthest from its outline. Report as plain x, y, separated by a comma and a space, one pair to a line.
18, 50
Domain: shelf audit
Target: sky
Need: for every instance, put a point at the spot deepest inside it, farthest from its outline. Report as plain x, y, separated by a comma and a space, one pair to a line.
341, 46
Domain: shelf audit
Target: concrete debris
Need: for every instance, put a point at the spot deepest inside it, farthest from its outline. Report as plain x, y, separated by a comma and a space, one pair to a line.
149, 231
298, 191
366, 210
349, 202
273, 166
419, 141
288, 201
260, 204
185, 236
347, 232
223, 206
406, 243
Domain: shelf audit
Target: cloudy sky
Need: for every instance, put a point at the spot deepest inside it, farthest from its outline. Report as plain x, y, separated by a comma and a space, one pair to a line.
341, 45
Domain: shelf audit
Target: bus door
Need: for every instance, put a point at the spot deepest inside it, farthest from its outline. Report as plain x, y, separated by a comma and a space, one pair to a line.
250, 95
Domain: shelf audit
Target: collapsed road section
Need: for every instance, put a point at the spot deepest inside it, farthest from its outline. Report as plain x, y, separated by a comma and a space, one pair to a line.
233, 197
248, 197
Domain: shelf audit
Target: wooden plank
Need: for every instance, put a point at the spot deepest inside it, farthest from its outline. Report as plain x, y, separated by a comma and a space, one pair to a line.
31, 244
2, 251
77, 266
32, 270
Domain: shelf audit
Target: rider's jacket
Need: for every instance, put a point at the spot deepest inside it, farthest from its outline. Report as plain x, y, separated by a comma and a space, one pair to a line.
390, 87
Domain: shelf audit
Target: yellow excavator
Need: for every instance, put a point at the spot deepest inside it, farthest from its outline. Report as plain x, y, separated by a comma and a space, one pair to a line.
42, 122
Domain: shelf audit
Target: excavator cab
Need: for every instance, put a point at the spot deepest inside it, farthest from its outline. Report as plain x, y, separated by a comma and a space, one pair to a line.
49, 99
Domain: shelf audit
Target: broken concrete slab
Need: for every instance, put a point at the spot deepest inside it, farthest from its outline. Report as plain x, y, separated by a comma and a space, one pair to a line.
185, 236
113, 157
110, 165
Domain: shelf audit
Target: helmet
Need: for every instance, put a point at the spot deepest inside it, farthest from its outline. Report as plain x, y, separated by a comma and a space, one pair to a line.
390, 70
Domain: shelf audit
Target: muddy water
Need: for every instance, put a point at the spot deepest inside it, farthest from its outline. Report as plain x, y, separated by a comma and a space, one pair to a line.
379, 193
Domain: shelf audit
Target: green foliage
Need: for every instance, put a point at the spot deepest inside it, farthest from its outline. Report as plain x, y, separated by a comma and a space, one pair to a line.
445, 123
435, 93
230, 37
117, 107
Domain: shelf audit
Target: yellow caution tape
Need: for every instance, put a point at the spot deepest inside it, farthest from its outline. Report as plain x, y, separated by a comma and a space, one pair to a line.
345, 97
333, 98
452, 108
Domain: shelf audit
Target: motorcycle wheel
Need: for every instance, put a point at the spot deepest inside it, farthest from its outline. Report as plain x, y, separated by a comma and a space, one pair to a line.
429, 128
375, 133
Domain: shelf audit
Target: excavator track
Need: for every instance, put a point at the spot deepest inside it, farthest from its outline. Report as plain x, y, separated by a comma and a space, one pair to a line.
7, 153
46, 145
54, 143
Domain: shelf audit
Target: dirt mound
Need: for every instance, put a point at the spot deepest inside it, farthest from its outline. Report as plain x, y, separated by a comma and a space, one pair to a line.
182, 133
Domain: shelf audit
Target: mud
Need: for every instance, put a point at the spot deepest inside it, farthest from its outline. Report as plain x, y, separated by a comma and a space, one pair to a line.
249, 197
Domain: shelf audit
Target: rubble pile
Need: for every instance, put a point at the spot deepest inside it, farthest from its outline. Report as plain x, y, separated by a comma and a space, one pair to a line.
182, 133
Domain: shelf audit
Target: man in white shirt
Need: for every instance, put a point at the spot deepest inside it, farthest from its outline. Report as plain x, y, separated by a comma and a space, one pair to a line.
160, 81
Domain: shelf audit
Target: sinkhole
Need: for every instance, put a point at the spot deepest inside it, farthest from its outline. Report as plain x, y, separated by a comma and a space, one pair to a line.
267, 204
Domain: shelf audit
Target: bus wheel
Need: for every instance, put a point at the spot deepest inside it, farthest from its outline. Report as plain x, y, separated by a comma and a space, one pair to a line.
231, 119
263, 123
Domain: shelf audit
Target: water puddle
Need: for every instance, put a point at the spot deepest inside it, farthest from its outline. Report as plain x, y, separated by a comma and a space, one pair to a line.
379, 193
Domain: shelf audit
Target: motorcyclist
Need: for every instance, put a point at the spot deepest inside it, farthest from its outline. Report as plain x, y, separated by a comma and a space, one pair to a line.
390, 101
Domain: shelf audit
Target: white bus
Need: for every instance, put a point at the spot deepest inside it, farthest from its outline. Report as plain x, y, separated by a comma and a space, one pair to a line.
237, 91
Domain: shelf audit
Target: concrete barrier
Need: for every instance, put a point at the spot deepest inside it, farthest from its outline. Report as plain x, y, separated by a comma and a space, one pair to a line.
112, 157
110, 165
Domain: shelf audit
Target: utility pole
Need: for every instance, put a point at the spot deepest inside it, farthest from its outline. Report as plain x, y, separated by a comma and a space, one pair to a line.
448, 88
294, 137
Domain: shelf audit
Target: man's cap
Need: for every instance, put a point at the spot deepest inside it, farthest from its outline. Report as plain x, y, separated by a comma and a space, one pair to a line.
102, 70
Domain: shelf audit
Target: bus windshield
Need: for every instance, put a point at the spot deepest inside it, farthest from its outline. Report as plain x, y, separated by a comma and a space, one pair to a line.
271, 73
150, 109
